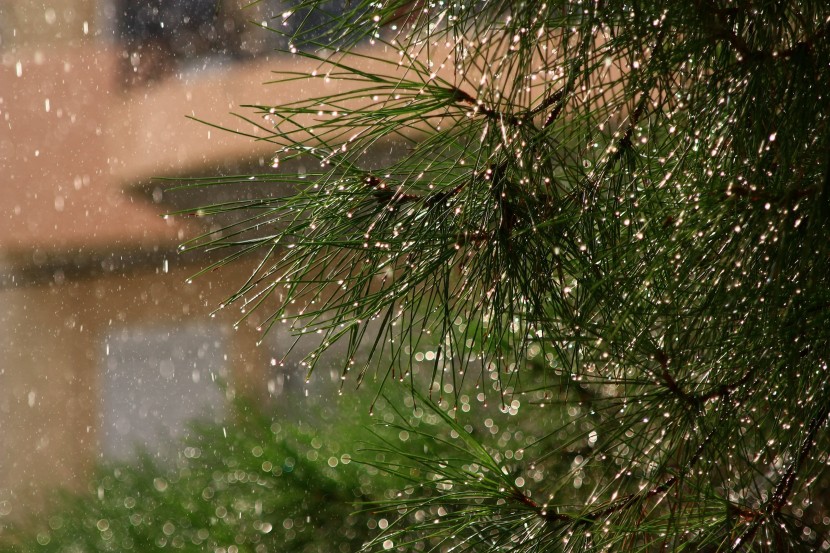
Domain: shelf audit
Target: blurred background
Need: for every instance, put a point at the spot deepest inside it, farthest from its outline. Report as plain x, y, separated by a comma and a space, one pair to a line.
104, 343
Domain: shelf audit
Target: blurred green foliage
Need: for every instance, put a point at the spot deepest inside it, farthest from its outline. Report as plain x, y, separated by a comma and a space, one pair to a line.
316, 475
249, 485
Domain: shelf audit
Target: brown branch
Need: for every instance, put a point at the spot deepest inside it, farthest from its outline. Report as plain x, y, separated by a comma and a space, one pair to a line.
618, 506
440, 197
719, 29
722, 30
632, 499
550, 516
671, 384
549, 101
807, 44
824, 192
785, 486
787, 483
696, 400
556, 99
625, 142
738, 191
673, 387
724, 389
463, 97
739, 44
387, 196
553, 115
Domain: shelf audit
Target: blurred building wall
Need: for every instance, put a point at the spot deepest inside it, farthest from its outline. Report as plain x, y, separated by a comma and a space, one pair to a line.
89, 274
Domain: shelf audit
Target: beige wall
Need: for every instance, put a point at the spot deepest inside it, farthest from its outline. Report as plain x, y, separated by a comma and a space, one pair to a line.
46, 22
57, 192
52, 339
68, 130
73, 143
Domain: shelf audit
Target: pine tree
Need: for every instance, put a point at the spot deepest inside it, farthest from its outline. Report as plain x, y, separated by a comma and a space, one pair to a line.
608, 219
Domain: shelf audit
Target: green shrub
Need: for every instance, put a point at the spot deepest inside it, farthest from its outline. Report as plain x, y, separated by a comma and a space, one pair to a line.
249, 485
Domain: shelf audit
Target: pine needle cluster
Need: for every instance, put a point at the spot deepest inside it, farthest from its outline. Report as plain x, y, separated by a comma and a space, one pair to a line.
610, 217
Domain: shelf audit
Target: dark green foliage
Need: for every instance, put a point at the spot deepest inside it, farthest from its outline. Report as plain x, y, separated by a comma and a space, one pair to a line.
617, 210
251, 485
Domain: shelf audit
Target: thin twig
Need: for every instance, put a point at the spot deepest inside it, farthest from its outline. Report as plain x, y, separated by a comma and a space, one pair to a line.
465, 98
787, 483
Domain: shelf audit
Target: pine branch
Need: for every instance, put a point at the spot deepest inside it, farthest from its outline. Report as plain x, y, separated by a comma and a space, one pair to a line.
635, 499
621, 504
721, 29
463, 97
786, 484
641, 218
697, 401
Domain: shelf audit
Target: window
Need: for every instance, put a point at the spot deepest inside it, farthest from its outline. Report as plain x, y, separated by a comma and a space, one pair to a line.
162, 37
154, 380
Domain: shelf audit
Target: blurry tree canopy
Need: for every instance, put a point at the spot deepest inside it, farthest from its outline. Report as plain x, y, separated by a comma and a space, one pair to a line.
609, 218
